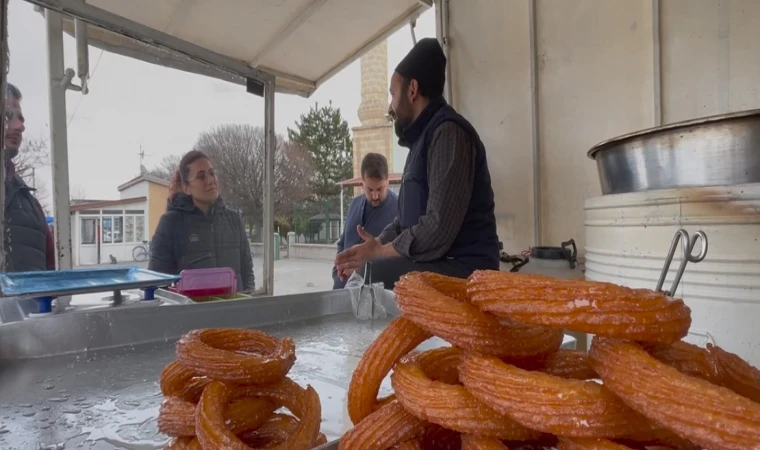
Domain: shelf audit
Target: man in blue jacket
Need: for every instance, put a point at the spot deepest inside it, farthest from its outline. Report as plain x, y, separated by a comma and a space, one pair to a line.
370, 212
445, 222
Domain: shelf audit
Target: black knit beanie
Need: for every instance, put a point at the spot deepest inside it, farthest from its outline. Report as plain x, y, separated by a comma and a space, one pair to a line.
425, 63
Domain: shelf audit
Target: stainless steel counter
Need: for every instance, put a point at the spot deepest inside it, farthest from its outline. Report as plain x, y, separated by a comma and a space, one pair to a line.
88, 379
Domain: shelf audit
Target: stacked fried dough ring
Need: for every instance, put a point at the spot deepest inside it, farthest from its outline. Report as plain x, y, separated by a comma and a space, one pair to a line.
224, 388
506, 384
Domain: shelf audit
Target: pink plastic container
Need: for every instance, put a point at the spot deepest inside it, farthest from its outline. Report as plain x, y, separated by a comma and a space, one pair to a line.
207, 282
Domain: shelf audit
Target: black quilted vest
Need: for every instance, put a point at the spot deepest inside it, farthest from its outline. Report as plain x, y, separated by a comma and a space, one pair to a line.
477, 244
25, 228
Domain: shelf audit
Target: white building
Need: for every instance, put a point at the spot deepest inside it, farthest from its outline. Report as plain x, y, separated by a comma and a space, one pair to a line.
104, 230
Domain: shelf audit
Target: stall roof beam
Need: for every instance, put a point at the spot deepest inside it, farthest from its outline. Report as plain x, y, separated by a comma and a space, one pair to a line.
299, 44
384, 34
120, 25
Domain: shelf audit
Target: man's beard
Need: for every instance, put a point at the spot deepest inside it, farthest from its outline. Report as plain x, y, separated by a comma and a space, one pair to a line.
399, 124
400, 134
398, 129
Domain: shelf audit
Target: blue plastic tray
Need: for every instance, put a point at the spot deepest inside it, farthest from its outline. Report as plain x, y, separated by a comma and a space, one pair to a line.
80, 281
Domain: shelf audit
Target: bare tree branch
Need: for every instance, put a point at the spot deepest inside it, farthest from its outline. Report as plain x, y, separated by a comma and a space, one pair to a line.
166, 168
42, 193
77, 192
33, 154
238, 155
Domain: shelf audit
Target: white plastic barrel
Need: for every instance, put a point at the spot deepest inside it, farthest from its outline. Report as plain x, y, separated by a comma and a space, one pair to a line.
628, 237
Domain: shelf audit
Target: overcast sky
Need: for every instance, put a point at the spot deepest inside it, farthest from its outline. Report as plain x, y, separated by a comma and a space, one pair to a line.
133, 104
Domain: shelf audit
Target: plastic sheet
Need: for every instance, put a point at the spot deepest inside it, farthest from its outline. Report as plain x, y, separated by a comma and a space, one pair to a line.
365, 299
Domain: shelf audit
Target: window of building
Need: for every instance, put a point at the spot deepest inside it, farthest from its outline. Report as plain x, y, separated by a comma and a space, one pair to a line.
107, 230
140, 228
118, 229
89, 230
129, 229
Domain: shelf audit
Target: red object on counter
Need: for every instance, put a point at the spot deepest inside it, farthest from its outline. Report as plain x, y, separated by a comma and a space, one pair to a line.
207, 282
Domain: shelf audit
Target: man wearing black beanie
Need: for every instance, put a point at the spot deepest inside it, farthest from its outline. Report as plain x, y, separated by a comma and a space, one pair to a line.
445, 221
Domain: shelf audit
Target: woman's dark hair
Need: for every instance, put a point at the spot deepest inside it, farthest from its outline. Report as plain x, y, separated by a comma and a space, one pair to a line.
182, 174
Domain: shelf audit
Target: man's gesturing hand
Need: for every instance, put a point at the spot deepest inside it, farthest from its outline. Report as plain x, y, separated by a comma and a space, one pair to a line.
354, 257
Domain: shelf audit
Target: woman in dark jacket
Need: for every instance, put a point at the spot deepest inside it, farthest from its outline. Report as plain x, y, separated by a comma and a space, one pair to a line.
199, 230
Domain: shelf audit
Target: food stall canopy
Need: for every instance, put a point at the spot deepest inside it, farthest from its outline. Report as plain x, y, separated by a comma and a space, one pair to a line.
301, 43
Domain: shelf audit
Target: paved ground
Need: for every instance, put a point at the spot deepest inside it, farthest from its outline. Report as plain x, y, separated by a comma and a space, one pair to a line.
291, 276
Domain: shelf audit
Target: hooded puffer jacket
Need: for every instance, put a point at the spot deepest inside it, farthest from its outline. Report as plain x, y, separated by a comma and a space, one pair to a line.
186, 238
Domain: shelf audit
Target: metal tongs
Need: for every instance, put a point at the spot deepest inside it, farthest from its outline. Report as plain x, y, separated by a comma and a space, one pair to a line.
687, 247
368, 285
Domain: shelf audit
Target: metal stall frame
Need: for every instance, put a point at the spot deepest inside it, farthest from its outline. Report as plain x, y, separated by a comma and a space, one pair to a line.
257, 82
171, 51
4, 66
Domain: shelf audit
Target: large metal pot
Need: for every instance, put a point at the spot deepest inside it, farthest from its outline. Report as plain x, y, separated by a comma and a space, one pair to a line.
711, 151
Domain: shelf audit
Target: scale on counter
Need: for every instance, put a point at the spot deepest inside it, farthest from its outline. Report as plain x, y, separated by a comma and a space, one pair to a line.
45, 286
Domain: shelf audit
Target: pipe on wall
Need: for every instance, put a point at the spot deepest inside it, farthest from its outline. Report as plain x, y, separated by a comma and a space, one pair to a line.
657, 62
443, 36
3, 91
534, 124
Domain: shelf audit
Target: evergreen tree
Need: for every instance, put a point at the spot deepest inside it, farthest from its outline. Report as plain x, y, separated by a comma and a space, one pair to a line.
326, 135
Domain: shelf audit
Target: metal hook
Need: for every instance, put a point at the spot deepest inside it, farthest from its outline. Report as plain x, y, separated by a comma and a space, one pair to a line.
687, 246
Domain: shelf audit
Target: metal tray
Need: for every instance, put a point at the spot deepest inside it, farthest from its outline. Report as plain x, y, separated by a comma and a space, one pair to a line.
89, 379
80, 281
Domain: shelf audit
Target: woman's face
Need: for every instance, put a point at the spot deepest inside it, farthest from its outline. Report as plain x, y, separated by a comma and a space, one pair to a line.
202, 183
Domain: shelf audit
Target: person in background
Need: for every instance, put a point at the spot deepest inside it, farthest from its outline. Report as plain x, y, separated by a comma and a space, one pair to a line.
29, 242
198, 230
370, 212
446, 222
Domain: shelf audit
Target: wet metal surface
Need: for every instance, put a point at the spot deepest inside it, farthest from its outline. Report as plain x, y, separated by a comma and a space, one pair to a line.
89, 379
110, 398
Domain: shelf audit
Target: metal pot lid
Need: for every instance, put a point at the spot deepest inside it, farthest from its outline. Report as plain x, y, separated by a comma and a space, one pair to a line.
673, 126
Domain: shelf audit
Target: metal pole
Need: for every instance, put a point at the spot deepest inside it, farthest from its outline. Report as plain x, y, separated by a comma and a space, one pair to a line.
269, 156
3, 91
83, 54
657, 62
59, 151
445, 39
534, 124
341, 210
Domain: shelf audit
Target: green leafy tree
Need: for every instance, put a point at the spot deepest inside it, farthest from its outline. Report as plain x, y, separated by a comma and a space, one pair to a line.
325, 133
